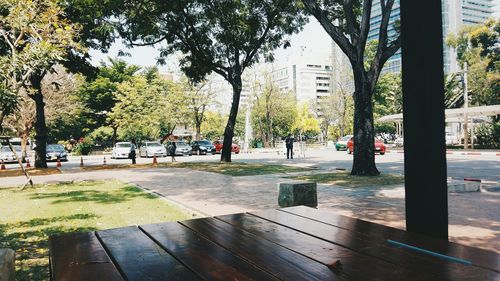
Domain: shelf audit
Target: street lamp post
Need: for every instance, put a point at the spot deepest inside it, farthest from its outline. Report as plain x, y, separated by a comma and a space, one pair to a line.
466, 105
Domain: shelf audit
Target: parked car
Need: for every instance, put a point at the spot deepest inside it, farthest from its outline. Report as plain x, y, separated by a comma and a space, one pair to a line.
152, 148
379, 146
202, 147
181, 148
341, 144
56, 152
122, 150
218, 147
7, 155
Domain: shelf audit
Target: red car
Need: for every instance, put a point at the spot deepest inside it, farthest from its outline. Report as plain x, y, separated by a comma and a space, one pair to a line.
379, 146
218, 147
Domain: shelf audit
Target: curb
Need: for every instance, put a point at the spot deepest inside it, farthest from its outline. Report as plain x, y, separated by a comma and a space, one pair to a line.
454, 152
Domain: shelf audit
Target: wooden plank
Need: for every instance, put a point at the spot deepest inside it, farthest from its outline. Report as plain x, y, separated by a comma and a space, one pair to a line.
440, 269
323, 251
80, 256
140, 258
479, 257
277, 260
206, 259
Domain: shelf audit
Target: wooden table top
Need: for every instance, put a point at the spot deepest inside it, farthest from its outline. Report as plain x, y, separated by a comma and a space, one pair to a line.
297, 243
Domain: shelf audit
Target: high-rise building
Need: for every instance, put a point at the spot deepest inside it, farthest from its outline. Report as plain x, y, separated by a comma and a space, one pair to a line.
455, 14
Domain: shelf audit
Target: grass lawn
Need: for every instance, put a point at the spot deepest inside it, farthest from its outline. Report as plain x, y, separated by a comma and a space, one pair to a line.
237, 169
234, 169
345, 179
28, 217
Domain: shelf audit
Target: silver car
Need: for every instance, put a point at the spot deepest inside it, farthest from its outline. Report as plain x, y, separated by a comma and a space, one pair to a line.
152, 148
7, 155
181, 149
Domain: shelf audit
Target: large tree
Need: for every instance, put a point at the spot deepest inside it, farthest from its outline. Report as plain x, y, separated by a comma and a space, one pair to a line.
99, 94
225, 37
348, 23
199, 97
38, 36
273, 111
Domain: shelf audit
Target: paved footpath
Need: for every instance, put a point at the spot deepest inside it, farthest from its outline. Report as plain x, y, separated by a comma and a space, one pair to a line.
474, 217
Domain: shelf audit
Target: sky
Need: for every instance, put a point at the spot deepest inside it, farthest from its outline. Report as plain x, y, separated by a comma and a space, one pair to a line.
312, 38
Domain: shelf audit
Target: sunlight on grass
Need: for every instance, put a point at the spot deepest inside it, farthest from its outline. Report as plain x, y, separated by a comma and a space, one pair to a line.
234, 169
30, 216
345, 179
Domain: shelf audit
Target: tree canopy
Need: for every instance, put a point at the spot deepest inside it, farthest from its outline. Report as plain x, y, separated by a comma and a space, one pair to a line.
225, 37
348, 24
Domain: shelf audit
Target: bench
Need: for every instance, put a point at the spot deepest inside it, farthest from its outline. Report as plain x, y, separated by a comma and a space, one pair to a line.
297, 243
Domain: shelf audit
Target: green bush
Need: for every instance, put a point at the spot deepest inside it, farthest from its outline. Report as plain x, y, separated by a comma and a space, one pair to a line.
488, 135
102, 136
83, 148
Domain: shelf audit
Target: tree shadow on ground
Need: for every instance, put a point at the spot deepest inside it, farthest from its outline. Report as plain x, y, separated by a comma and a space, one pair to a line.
30, 241
103, 197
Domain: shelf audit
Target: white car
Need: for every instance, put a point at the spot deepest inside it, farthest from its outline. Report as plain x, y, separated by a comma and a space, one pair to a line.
152, 148
122, 150
7, 155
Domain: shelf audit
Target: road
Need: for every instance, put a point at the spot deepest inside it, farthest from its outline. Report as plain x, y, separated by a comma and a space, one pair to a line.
485, 167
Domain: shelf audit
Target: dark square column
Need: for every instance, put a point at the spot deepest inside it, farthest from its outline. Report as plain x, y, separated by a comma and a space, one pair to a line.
424, 121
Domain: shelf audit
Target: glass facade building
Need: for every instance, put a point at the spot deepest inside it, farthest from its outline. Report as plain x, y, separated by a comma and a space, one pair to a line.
455, 14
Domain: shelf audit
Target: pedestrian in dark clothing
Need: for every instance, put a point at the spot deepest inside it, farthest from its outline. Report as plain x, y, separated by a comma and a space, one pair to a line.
131, 154
289, 146
172, 149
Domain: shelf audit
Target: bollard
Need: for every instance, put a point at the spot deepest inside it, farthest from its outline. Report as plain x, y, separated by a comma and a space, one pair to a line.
154, 160
28, 165
2, 166
104, 162
58, 163
81, 161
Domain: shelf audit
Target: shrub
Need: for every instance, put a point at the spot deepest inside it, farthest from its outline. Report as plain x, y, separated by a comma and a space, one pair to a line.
83, 148
488, 135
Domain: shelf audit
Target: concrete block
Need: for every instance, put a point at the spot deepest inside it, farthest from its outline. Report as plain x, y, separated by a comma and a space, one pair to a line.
7, 265
463, 186
297, 193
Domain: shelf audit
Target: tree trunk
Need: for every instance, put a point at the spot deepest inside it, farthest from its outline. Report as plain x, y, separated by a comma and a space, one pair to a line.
198, 131
2, 116
115, 135
40, 130
229, 131
364, 144
24, 143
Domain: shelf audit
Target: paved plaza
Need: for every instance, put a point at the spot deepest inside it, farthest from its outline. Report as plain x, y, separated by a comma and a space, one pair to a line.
474, 218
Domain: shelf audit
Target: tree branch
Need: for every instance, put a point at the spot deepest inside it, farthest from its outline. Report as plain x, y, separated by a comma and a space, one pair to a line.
352, 24
365, 25
332, 30
384, 52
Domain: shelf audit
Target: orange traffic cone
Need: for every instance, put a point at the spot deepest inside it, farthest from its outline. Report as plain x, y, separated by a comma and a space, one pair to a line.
58, 163
28, 165
104, 162
154, 160
2, 166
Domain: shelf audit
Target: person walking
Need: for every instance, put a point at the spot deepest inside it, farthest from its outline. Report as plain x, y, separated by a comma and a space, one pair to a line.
289, 146
172, 149
131, 154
